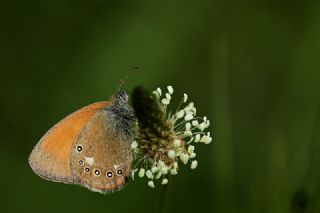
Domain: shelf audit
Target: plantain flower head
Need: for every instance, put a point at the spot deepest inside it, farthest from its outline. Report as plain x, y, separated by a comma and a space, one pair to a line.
164, 140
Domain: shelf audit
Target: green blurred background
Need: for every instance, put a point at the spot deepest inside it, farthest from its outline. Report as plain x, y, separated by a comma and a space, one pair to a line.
252, 67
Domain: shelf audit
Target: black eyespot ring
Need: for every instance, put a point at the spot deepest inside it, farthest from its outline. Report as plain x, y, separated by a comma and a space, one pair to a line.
86, 169
119, 172
109, 174
80, 162
79, 148
97, 172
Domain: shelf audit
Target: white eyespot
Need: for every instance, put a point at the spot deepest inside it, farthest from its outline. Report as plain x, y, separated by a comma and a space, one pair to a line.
119, 172
87, 169
79, 148
97, 172
80, 162
109, 174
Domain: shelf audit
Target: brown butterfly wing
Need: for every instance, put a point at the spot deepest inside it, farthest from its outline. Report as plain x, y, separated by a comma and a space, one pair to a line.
102, 155
50, 158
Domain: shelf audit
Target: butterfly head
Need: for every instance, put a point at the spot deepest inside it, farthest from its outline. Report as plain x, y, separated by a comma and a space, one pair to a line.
121, 113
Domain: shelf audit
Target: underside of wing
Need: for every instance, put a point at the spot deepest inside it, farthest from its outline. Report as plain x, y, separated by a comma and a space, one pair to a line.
103, 163
50, 158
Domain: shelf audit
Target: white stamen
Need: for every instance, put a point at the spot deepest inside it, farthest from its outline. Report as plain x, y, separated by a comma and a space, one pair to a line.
197, 138
188, 126
195, 123
171, 154
154, 169
164, 170
151, 184
184, 158
149, 174
192, 155
188, 117
194, 164
165, 101
177, 143
159, 91
191, 149
187, 133
180, 114
168, 96
173, 171
164, 181
141, 172
170, 89
185, 97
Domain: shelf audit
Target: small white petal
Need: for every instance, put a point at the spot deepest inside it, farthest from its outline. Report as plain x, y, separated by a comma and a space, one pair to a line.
177, 143
197, 138
141, 172
184, 158
190, 149
151, 184
149, 174
185, 97
170, 89
159, 91
194, 164
134, 145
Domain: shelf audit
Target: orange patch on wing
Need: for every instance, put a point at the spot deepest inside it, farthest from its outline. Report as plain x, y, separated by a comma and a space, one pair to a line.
58, 142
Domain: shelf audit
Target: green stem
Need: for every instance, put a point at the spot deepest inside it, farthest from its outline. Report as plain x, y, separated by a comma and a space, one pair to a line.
162, 199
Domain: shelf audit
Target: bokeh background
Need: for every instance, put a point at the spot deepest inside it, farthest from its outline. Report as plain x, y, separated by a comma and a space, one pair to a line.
251, 66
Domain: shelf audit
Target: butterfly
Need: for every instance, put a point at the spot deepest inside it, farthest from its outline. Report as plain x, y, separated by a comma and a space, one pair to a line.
91, 147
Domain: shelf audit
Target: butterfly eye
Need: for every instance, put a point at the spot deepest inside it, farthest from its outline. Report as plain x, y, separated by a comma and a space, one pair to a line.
86, 169
80, 162
109, 174
119, 172
79, 148
97, 172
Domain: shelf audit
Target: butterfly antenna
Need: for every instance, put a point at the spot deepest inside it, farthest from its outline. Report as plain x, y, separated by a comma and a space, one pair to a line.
121, 82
